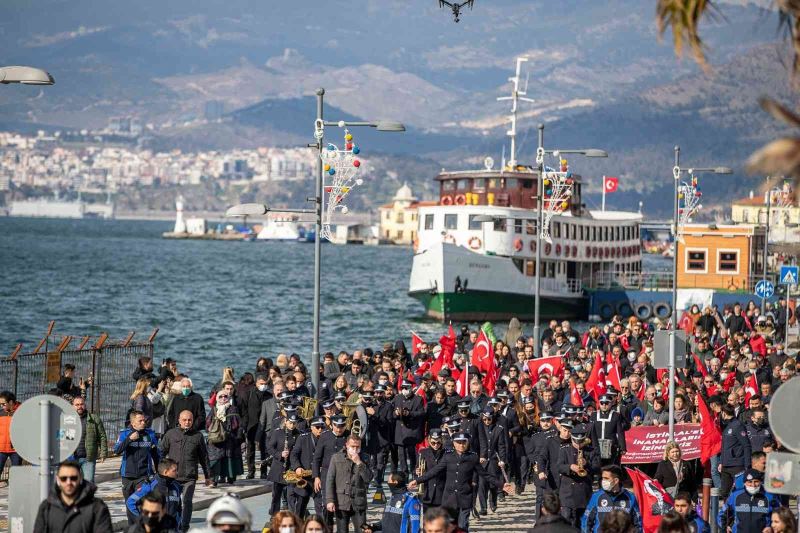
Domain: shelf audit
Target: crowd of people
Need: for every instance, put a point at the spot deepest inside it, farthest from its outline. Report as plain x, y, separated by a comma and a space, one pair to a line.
445, 432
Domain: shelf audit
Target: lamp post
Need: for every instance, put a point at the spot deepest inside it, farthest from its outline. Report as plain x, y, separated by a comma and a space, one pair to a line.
589, 152
677, 171
25, 76
260, 209
765, 258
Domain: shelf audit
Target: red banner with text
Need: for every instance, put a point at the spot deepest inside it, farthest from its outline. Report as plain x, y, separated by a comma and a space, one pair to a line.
646, 444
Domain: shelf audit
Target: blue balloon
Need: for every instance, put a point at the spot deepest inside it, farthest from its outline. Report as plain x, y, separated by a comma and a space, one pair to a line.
332, 171
331, 148
356, 150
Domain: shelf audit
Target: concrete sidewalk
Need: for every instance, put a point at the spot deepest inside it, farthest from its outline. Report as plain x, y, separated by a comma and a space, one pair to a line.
109, 489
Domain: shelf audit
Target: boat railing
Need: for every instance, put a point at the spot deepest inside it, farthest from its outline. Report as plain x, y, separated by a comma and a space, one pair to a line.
662, 280
568, 286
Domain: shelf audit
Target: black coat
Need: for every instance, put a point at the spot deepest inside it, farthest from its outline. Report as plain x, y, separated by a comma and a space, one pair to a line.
188, 449
553, 524
575, 491
496, 443
167, 525
409, 429
477, 442
436, 414
459, 470
302, 456
434, 489
736, 447
250, 407
611, 428
194, 403
327, 446
665, 474
279, 440
380, 428
87, 515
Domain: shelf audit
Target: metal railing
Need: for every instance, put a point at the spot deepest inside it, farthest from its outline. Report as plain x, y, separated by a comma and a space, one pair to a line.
569, 286
661, 280
110, 363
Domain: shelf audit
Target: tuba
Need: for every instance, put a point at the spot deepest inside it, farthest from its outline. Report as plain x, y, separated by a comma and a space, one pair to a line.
308, 408
291, 478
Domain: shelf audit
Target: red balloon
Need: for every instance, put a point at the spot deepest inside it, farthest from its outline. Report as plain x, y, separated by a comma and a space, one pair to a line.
356, 163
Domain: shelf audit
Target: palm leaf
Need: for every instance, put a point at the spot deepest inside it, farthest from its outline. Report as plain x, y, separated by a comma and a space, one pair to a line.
780, 157
683, 16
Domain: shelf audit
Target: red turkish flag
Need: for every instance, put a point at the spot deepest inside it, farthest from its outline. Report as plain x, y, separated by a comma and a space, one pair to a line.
711, 436
699, 364
553, 366
651, 496
610, 183
483, 353
574, 397
445, 357
750, 389
421, 393
416, 341
462, 382
596, 382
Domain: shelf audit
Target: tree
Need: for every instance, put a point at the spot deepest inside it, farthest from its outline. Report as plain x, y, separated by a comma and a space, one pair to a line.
781, 156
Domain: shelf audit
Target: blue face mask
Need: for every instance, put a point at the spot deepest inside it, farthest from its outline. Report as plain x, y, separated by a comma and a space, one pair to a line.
186, 391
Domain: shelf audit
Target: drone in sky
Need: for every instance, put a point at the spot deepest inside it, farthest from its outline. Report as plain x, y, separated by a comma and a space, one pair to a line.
456, 6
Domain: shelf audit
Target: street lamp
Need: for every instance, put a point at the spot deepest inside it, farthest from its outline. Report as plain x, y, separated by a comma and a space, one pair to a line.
25, 75
677, 171
261, 209
765, 259
587, 152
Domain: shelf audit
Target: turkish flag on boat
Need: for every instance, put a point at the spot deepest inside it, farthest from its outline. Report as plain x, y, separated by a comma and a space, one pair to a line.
653, 500
750, 389
596, 382
610, 183
416, 341
553, 366
710, 434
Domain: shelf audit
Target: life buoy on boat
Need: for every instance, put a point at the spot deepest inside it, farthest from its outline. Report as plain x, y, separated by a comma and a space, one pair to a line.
606, 311
558, 249
662, 310
595, 251
449, 238
518, 244
588, 251
624, 309
574, 250
642, 311
460, 199
474, 243
446, 200
567, 251
532, 246
547, 248
608, 253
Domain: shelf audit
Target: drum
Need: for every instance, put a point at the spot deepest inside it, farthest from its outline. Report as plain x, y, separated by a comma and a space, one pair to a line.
605, 448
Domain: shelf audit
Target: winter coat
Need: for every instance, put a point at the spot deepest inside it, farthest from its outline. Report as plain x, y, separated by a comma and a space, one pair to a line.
96, 440
409, 429
346, 483
188, 449
5, 430
553, 524
87, 515
194, 403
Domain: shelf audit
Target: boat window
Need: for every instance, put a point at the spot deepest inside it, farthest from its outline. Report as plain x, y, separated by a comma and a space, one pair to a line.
494, 183
479, 184
511, 183
530, 227
583, 233
451, 221
527, 184
500, 224
551, 269
517, 225
473, 224
695, 261
728, 261
594, 234
557, 230
429, 221
573, 232
530, 268
449, 185
462, 185
518, 263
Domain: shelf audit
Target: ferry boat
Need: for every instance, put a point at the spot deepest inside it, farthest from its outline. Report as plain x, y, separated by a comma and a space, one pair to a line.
279, 229
465, 268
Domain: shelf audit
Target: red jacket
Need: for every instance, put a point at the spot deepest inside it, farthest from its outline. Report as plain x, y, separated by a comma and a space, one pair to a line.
5, 430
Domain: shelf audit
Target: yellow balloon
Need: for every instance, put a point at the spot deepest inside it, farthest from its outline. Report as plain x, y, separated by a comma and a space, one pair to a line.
327, 168
564, 205
348, 137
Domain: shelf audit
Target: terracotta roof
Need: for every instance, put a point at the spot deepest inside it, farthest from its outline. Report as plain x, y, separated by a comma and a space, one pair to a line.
755, 200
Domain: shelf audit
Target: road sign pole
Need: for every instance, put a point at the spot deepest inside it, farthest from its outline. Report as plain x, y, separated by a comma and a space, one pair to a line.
44, 449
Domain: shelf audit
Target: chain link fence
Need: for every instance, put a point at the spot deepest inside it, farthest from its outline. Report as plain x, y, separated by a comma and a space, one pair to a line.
110, 366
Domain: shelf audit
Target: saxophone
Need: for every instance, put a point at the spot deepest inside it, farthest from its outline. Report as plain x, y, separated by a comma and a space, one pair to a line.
581, 462
421, 466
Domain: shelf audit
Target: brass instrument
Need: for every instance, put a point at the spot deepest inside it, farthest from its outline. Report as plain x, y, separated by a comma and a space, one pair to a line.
291, 478
421, 466
308, 408
355, 426
581, 463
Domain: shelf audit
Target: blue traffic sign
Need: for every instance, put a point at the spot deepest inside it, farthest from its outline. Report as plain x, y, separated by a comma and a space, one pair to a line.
765, 289
789, 275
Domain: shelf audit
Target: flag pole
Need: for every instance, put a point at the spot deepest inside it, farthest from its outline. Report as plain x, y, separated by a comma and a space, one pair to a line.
604, 194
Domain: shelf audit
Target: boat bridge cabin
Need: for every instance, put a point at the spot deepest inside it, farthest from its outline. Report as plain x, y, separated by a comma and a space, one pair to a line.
503, 189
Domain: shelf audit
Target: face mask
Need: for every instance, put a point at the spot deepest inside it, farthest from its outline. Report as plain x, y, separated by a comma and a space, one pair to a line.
723, 376
406, 392
631, 357
382, 381
752, 370
262, 388
751, 490
607, 485
152, 521
286, 529
186, 391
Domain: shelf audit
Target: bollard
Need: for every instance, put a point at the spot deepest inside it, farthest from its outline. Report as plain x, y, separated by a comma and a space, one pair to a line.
714, 509
44, 450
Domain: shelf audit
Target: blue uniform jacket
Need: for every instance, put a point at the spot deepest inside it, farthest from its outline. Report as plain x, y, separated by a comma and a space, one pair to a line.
603, 502
139, 457
171, 490
412, 515
746, 513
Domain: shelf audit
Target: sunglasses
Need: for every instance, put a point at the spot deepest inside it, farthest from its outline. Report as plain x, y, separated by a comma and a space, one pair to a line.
150, 513
64, 479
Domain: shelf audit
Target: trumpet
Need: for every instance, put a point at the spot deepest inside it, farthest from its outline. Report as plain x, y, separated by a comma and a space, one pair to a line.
300, 481
581, 463
421, 466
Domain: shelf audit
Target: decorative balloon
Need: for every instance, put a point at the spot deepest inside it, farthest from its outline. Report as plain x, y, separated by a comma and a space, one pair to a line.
557, 190
342, 166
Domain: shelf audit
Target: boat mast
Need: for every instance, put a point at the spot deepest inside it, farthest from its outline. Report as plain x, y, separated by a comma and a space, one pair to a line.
516, 96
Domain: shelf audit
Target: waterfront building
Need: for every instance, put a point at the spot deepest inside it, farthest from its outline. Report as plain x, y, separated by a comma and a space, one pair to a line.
784, 216
398, 220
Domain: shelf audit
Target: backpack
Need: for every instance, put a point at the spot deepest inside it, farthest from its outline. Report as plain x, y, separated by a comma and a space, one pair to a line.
216, 431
